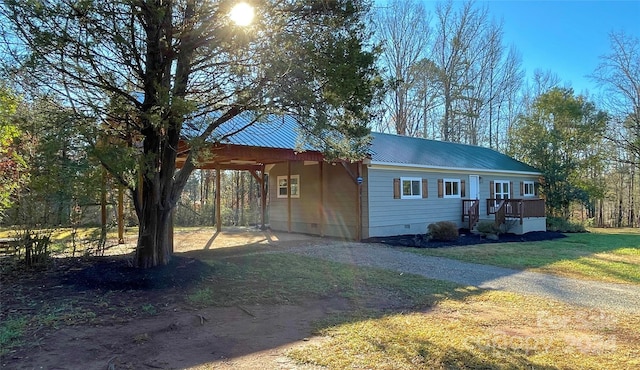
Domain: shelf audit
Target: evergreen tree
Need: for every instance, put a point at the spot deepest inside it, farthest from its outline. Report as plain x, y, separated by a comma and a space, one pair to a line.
561, 137
180, 69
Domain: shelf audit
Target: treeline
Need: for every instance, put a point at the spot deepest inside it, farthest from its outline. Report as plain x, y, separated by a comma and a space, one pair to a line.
51, 178
448, 76
239, 199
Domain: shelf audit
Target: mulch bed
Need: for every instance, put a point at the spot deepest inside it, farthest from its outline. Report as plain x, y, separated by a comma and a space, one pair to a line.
465, 238
109, 273
114, 273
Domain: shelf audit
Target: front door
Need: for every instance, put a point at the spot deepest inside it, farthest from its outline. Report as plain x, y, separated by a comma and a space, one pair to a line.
474, 187
502, 190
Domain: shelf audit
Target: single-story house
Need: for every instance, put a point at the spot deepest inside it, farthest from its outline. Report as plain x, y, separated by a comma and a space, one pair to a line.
404, 185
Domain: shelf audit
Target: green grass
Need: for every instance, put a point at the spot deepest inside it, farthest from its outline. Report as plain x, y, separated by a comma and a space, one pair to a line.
11, 332
279, 278
602, 255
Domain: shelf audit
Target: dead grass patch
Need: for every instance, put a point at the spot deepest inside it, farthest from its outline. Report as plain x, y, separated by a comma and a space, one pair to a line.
493, 330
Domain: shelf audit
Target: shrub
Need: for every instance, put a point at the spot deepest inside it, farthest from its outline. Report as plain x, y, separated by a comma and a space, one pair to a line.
488, 227
443, 230
564, 226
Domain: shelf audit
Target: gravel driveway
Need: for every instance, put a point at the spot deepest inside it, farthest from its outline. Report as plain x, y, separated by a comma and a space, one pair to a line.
579, 292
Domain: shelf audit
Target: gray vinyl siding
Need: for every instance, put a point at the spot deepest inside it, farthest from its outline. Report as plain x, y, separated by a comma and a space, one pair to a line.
389, 216
337, 218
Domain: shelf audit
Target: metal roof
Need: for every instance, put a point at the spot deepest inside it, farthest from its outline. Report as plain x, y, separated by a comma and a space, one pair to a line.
270, 131
411, 151
282, 132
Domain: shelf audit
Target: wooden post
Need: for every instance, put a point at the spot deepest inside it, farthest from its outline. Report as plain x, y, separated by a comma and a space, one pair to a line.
218, 216
355, 177
103, 203
263, 199
359, 203
289, 196
172, 216
321, 208
120, 215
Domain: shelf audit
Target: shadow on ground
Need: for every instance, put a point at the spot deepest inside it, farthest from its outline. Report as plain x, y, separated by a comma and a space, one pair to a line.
103, 313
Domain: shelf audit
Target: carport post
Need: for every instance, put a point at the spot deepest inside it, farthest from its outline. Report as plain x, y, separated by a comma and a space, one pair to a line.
321, 204
289, 196
120, 214
263, 199
218, 217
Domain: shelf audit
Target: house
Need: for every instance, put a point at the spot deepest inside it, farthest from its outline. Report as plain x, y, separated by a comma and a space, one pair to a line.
405, 184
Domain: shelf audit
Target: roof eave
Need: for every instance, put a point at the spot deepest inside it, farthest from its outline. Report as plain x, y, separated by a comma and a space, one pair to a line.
461, 169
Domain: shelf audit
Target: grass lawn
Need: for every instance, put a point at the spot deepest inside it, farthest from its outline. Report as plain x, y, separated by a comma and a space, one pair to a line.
402, 321
490, 330
282, 278
608, 255
434, 324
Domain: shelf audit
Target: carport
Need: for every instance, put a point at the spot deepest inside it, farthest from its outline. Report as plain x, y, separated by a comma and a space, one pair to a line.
244, 144
256, 160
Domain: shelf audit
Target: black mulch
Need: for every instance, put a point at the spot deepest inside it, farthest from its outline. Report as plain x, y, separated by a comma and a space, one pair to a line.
465, 238
116, 273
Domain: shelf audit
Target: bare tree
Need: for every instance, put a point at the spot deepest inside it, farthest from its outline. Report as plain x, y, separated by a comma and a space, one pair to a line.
480, 81
456, 42
505, 108
427, 99
619, 75
402, 30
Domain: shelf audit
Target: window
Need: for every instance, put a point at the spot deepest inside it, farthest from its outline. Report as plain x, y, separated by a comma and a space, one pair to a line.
411, 187
283, 188
501, 189
528, 188
451, 188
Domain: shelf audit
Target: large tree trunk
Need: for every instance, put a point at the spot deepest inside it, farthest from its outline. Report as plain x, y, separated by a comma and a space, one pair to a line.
161, 186
155, 237
159, 195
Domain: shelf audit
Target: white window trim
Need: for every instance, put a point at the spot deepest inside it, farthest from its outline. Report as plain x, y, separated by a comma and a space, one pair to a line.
413, 196
444, 190
293, 177
508, 194
524, 189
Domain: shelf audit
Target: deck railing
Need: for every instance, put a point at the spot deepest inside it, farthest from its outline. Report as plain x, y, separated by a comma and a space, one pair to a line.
515, 208
471, 209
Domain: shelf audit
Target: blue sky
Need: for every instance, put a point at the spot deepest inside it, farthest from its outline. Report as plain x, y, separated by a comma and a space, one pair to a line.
564, 36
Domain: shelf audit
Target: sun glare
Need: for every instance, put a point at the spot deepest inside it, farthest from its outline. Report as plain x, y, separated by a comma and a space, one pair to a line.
242, 14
